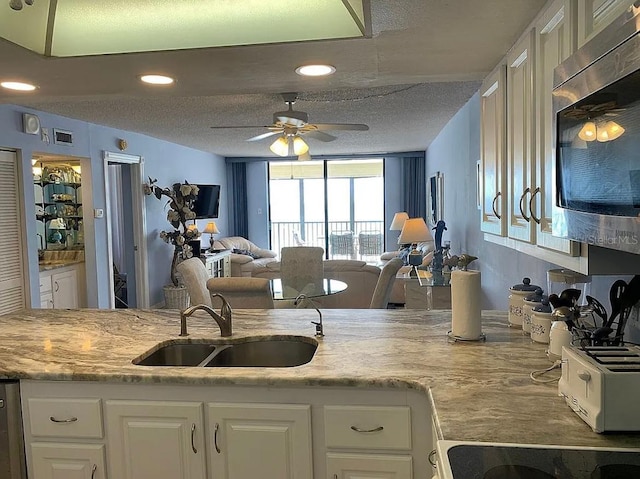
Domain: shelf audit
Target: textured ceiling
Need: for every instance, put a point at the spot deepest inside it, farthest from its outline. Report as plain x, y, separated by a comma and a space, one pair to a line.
424, 61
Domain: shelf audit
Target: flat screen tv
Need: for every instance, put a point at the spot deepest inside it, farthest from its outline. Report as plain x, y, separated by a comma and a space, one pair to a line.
207, 204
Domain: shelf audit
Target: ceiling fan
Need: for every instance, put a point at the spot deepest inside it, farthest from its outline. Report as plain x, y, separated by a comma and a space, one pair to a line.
291, 125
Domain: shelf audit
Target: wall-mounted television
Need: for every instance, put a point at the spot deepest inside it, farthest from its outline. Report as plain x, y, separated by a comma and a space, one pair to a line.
207, 204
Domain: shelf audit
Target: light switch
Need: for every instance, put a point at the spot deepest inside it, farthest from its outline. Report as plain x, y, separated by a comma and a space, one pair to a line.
98, 213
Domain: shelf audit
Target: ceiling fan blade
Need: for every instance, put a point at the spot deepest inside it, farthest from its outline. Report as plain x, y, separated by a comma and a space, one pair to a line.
341, 126
264, 135
238, 126
319, 135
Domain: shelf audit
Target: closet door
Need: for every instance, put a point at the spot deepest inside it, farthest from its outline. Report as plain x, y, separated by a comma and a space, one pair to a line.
12, 278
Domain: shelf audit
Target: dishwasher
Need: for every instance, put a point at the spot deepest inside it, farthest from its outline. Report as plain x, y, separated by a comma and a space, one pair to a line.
12, 458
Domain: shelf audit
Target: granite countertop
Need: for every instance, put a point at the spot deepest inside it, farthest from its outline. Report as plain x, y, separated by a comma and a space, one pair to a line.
480, 391
56, 264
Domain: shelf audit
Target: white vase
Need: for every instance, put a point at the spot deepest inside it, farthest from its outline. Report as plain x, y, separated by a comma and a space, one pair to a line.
176, 297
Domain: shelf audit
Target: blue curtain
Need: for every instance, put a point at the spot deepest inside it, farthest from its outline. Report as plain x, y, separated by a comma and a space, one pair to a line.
239, 218
414, 180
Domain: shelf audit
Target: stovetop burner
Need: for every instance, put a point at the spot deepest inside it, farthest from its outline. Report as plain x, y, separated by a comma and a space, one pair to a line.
490, 461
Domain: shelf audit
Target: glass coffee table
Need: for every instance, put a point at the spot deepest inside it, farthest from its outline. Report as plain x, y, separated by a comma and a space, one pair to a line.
310, 290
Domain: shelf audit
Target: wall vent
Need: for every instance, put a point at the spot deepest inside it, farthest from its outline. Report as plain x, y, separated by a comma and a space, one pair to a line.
62, 137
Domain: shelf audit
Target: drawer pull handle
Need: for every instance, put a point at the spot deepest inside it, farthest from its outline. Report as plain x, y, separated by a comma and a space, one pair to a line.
375, 429
215, 437
93, 471
71, 419
193, 434
432, 458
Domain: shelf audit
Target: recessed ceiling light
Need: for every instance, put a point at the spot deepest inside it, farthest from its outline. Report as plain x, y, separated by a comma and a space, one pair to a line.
16, 85
315, 70
157, 79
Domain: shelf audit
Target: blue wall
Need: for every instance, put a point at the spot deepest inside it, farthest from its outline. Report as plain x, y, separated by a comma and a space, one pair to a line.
167, 162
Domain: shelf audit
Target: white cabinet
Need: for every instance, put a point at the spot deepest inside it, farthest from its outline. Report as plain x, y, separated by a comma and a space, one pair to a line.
555, 41
59, 289
152, 439
492, 162
368, 466
594, 15
260, 440
373, 431
520, 138
68, 461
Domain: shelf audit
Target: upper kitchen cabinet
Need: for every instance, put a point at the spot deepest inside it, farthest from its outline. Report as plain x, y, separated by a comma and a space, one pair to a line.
555, 41
492, 161
520, 139
594, 15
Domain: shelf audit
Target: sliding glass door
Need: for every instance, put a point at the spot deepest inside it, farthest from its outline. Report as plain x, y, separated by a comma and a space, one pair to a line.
335, 204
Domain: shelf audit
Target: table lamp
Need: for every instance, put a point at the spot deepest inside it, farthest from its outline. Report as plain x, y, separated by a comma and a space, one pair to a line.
212, 229
56, 225
414, 231
398, 221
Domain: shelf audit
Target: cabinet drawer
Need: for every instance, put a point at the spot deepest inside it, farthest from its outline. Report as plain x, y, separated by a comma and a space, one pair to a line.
366, 427
65, 417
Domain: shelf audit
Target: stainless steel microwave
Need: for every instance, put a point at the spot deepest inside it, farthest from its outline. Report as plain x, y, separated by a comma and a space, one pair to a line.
596, 100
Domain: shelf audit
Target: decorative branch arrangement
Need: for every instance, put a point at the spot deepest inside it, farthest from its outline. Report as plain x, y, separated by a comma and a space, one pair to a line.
181, 197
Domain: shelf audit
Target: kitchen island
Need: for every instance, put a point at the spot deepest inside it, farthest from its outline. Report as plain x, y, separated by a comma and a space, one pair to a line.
477, 391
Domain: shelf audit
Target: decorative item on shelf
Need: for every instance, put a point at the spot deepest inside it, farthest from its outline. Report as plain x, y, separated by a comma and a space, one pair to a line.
57, 228
212, 229
437, 263
414, 231
181, 197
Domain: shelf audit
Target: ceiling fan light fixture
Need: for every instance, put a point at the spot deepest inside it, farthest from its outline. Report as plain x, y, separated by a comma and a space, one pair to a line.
300, 147
612, 129
280, 147
18, 86
157, 79
588, 131
304, 157
315, 70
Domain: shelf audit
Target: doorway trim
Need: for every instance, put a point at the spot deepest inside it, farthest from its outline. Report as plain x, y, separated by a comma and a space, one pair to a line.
139, 225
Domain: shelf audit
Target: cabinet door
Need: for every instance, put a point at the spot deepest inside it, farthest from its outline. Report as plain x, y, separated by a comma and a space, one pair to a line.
67, 461
520, 139
155, 439
555, 42
594, 15
46, 300
260, 440
492, 162
65, 290
368, 466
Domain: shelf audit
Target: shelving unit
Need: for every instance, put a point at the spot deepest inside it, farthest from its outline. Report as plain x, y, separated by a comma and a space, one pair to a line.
58, 195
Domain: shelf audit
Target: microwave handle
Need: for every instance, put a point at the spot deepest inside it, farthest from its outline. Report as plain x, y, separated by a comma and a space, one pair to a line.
524, 193
533, 216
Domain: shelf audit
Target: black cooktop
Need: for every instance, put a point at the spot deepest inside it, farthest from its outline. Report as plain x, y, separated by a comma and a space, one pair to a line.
481, 461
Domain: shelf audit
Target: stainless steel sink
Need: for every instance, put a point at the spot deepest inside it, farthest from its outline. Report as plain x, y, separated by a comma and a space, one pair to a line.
177, 354
265, 352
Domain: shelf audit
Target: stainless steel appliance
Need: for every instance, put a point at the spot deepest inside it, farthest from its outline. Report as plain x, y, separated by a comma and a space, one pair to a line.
12, 459
596, 101
478, 460
602, 385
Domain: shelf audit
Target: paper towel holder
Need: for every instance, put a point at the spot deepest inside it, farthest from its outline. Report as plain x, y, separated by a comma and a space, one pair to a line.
481, 337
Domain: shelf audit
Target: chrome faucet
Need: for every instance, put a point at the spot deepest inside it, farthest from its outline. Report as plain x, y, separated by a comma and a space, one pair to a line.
223, 319
319, 328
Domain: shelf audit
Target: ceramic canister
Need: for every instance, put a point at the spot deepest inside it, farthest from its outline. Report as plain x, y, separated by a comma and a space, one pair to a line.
541, 322
516, 301
528, 303
559, 336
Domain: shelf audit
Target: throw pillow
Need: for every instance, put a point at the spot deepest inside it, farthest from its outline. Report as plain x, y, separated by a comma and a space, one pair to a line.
245, 252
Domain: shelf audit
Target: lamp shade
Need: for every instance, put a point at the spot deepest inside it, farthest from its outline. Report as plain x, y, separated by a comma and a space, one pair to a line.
415, 230
57, 224
398, 221
211, 228
280, 147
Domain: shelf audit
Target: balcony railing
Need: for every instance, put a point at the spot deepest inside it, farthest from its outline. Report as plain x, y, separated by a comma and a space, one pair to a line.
362, 240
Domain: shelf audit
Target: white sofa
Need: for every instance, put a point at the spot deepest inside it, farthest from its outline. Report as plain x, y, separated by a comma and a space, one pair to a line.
252, 256
361, 279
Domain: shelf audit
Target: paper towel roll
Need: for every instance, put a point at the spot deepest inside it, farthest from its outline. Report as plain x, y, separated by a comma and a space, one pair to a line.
465, 305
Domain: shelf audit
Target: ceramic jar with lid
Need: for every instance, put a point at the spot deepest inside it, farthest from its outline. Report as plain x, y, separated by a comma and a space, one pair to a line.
541, 322
528, 303
516, 301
